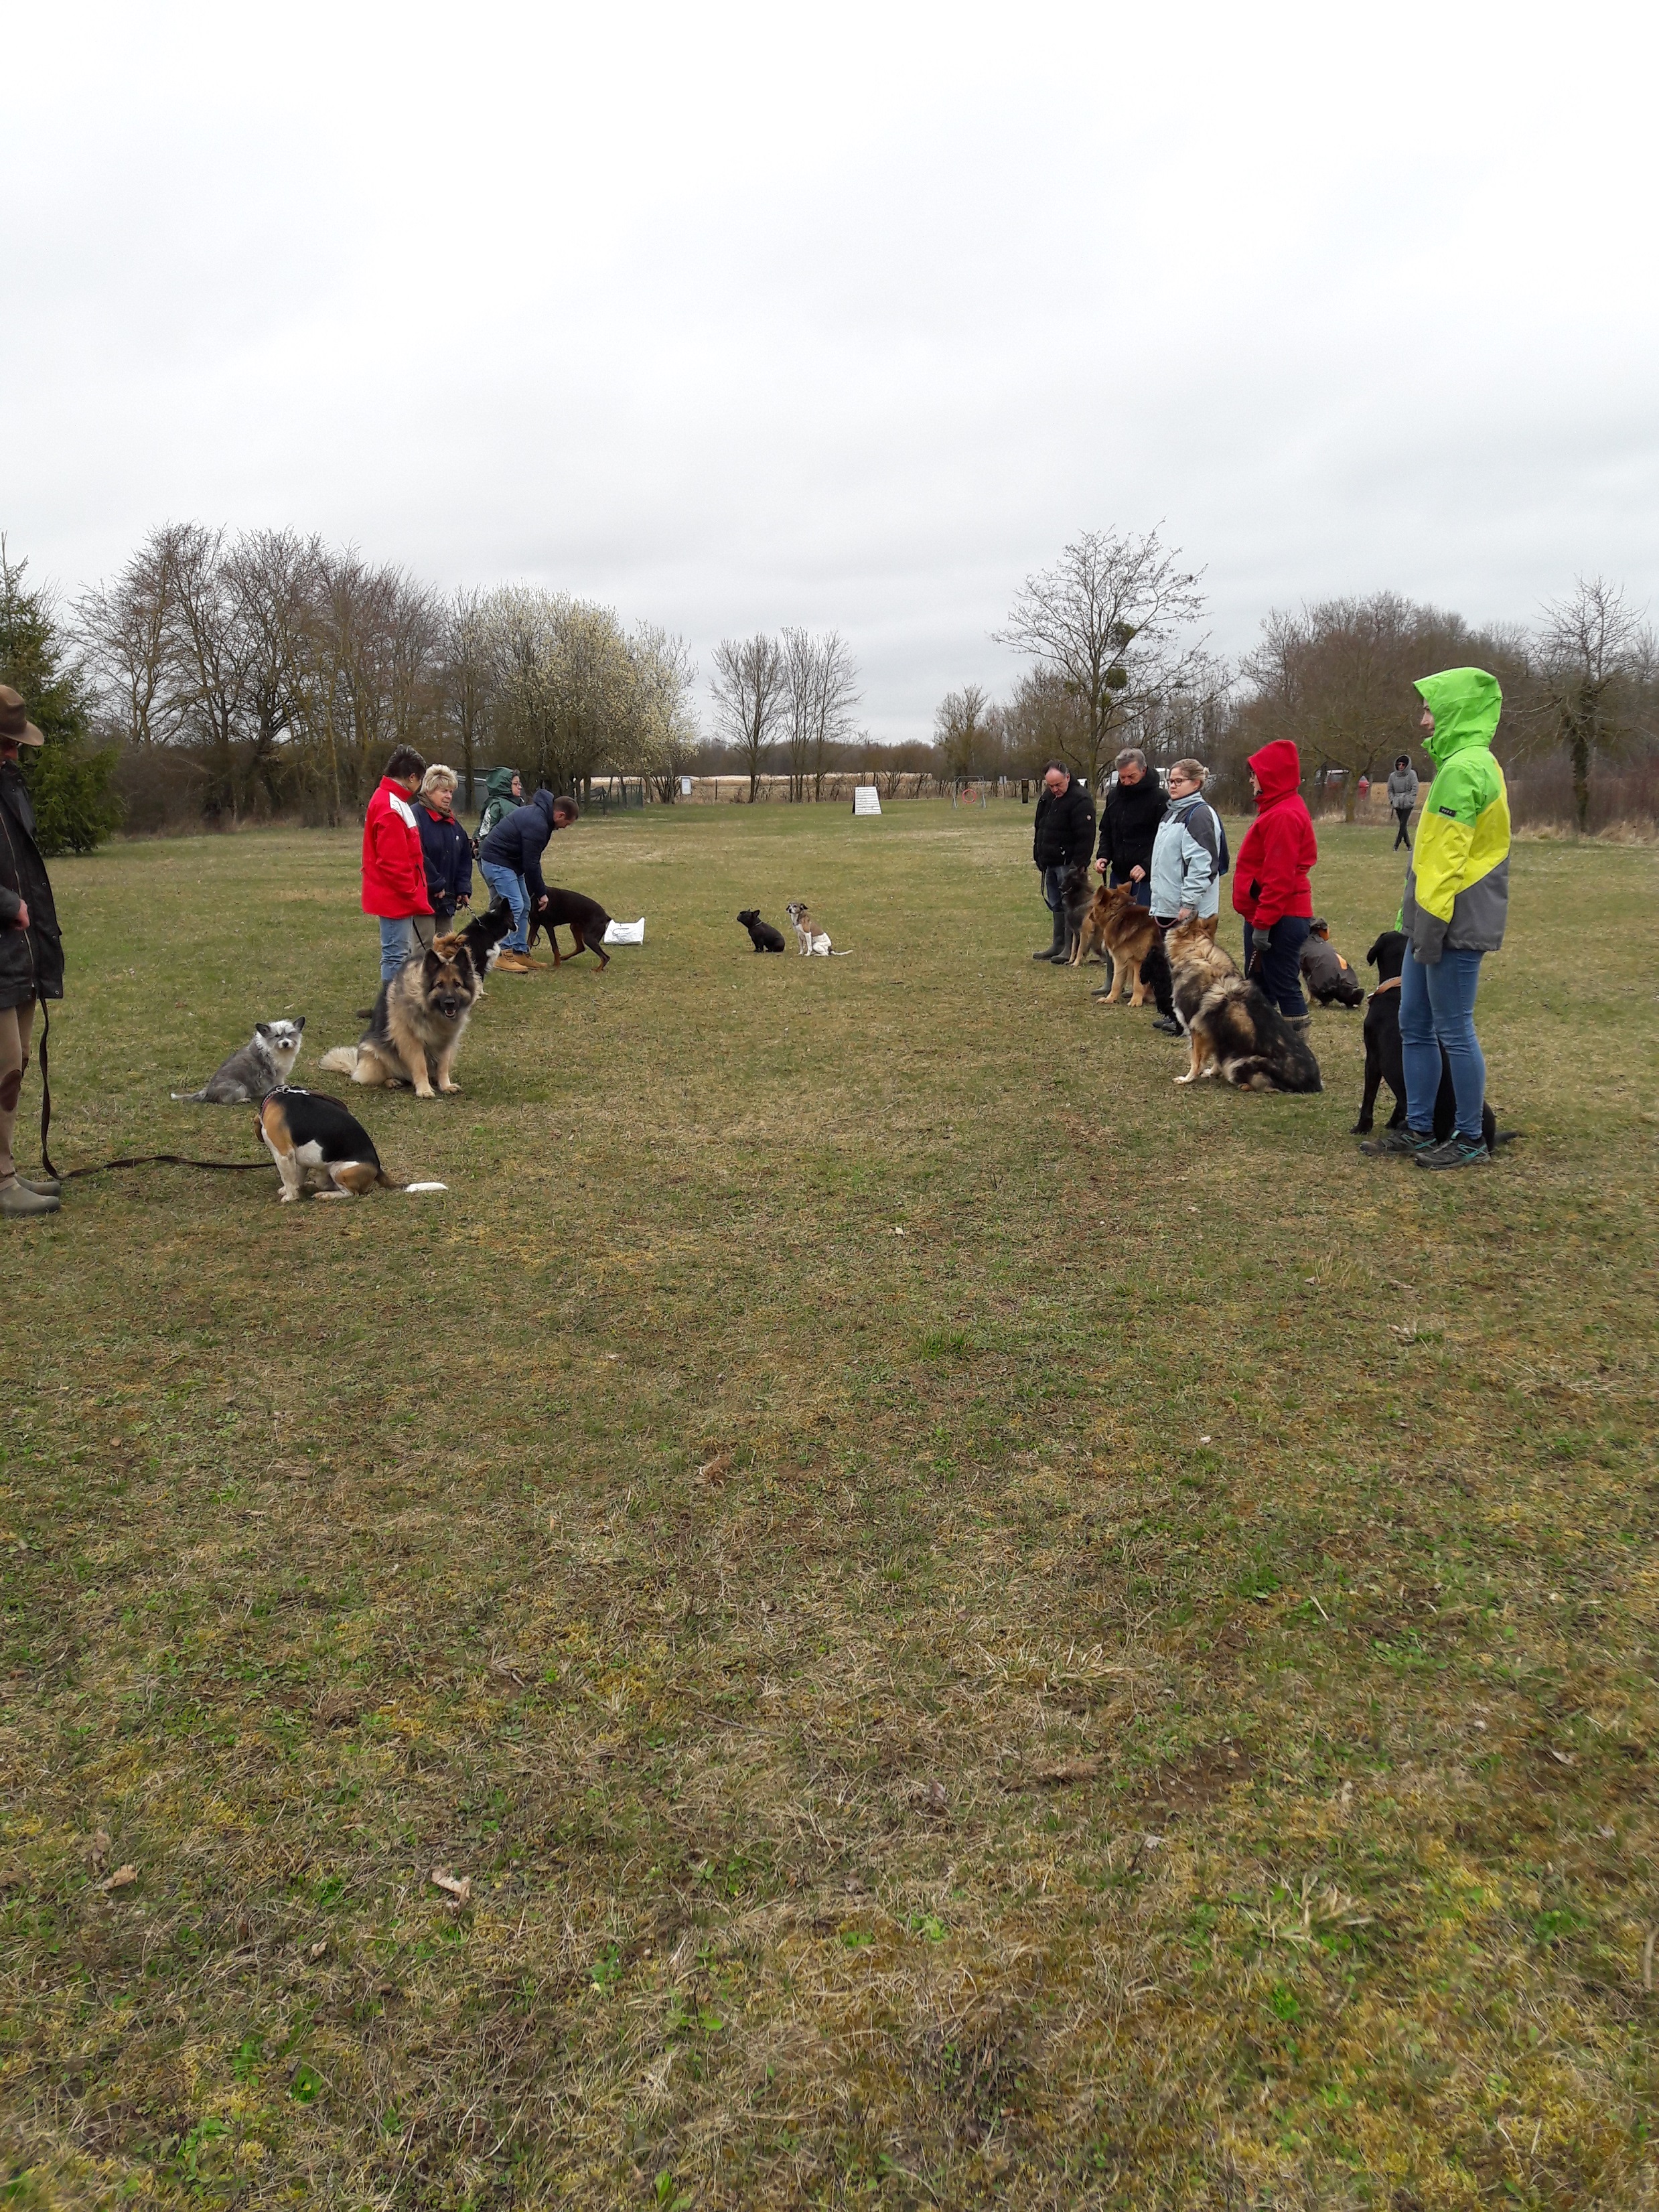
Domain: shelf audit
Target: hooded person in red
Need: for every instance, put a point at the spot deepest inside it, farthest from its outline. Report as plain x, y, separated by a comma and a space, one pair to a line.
394, 865
1270, 879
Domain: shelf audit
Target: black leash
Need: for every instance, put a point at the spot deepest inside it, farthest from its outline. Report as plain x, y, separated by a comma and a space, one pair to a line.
133, 1160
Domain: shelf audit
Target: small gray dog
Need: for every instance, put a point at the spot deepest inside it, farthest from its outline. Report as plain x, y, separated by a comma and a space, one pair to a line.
263, 1064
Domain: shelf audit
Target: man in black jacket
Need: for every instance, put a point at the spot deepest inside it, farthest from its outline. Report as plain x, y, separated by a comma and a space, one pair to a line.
1129, 825
510, 858
31, 952
1062, 836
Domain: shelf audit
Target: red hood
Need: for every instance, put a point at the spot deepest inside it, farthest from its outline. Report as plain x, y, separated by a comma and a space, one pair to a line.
1277, 770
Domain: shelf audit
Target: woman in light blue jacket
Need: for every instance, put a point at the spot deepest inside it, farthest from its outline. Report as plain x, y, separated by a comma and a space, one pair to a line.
1189, 858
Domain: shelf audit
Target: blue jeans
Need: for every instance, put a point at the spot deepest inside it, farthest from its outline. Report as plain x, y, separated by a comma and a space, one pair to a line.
1436, 1011
398, 944
1280, 975
507, 885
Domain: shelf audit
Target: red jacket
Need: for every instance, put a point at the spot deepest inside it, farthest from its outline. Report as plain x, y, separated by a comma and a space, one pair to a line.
1270, 876
394, 869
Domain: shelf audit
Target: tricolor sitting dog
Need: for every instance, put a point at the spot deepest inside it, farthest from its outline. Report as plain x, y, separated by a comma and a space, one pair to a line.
319, 1146
808, 936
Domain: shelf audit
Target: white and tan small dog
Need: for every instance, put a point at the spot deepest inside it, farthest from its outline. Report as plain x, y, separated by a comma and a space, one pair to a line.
808, 936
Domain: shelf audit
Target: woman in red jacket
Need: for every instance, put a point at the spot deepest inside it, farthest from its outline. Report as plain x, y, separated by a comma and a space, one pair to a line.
1270, 879
394, 866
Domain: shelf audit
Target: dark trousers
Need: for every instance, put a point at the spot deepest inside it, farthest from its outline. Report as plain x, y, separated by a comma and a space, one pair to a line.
1402, 815
1280, 972
1142, 890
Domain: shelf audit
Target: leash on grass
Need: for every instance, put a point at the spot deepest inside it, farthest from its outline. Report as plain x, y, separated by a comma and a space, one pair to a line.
132, 1160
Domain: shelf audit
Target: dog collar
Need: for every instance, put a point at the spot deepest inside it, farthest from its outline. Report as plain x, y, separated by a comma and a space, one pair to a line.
1392, 984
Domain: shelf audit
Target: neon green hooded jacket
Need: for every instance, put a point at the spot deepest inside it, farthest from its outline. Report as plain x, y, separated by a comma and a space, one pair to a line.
1457, 886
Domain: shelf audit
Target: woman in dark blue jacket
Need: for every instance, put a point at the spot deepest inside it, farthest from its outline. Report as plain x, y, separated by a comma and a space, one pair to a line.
445, 847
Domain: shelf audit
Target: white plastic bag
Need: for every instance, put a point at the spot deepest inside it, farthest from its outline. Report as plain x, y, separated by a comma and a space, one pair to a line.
626, 933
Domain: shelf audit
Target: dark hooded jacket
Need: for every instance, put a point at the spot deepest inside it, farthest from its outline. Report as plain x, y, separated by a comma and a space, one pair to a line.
447, 851
1129, 823
32, 959
1063, 831
518, 841
1270, 879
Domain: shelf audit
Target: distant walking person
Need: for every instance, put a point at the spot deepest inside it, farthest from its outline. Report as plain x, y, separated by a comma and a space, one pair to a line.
1456, 903
1062, 838
1129, 818
394, 866
1271, 889
510, 858
446, 849
1402, 797
31, 954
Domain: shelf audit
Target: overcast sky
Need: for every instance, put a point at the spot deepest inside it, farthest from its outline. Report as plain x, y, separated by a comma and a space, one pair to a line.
843, 316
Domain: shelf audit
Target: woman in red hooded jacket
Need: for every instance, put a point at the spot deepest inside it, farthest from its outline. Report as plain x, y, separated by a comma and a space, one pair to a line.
1270, 879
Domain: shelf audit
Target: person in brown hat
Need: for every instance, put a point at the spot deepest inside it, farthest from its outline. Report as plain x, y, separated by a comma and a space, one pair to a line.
31, 952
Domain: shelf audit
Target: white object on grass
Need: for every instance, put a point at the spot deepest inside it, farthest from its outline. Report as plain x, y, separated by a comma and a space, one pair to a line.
625, 932
866, 800
411, 1187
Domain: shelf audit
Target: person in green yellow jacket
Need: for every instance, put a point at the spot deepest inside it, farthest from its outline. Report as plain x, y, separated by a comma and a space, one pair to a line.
1457, 896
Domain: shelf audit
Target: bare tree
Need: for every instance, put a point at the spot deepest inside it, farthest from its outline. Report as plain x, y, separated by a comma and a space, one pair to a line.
666, 731
468, 688
1108, 620
967, 737
750, 684
1336, 679
1596, 660
124, 628
823, 691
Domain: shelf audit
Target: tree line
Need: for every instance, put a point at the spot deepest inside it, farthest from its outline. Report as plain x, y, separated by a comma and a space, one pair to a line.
1112, 635
223, 677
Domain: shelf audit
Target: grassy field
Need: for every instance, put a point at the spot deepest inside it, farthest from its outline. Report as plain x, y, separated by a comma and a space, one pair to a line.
977, 1627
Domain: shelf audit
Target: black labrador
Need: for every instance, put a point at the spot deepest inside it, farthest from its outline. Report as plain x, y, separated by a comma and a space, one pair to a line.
1383, 1062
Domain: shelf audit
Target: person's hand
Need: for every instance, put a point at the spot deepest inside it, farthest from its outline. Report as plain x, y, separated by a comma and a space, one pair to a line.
22, 921
1183, 913
1137, 875
466, 899
1100, 867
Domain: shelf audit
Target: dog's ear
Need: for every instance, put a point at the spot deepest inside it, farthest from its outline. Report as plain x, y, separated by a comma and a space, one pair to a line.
1376, 946
300, 1024
262, 1029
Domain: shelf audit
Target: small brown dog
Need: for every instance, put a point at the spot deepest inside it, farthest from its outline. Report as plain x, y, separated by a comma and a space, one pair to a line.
1126, 932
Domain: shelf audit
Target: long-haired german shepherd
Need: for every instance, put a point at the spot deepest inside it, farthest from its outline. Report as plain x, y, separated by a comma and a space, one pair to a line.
1126, 932
421, 1013
1237, 1033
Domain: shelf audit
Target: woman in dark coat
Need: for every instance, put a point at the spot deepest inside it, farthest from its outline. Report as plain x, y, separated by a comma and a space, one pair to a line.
31, 952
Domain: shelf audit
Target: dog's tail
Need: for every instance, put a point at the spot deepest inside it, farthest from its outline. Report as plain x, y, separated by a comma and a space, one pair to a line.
840, 952
1252, 1072
191, 1097
1499, 1136
342, 1061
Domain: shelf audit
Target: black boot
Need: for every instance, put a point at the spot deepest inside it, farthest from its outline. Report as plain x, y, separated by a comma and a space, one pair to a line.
1055, 950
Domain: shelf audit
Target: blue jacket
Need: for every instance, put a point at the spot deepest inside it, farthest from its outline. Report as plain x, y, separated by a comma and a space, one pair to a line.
519, 840
447, 851
1188, 855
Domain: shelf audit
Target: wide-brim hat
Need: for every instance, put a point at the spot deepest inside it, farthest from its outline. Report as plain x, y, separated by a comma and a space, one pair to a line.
14, 719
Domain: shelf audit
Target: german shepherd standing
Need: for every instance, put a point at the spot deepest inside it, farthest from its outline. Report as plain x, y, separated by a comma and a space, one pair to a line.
1126, 932
421, 1013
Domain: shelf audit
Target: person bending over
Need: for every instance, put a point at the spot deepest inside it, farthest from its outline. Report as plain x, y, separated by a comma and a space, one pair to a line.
1062, 836
447, 851
510, 858
1330, 980
1188, 860
394, 866
1129, 825
1455, 907
1271, 889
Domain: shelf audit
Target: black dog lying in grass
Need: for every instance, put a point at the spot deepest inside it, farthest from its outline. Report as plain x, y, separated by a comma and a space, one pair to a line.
761, 934
1384, 1062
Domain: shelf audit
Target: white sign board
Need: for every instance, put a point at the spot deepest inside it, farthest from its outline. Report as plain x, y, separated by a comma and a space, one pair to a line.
685, 787
865, 800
